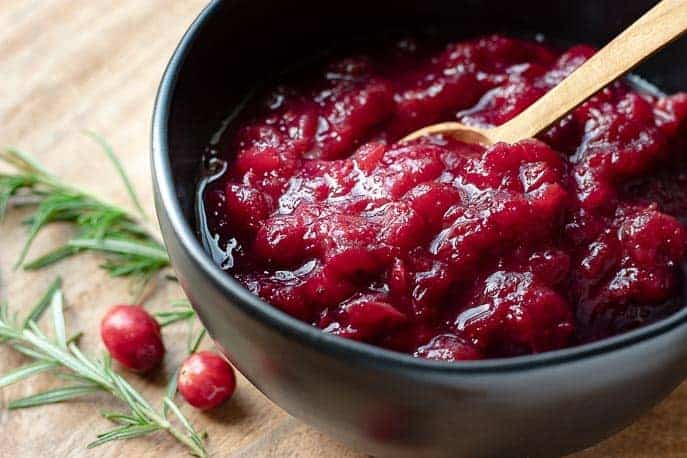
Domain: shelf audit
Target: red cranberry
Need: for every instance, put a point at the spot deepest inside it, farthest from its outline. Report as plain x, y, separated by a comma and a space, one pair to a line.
206, 380
132, 337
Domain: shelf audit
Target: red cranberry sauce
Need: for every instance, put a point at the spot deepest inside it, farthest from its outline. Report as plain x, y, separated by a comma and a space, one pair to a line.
451, 251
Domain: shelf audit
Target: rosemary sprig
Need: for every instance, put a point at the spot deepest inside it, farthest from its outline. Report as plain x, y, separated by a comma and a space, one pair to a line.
131, 249
182, 311
87, 376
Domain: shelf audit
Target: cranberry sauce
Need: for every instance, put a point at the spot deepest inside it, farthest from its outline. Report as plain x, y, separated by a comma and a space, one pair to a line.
445, 250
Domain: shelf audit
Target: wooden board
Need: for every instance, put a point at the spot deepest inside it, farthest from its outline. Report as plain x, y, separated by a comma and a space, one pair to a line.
68, 65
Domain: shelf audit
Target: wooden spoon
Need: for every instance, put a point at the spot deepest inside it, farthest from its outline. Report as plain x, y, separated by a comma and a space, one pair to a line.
658, 27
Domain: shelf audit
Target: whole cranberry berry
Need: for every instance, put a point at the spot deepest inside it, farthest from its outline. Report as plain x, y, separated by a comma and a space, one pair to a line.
132, 337
206, 380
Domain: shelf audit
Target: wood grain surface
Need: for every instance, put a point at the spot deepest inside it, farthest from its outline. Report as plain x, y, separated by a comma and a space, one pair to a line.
69, 65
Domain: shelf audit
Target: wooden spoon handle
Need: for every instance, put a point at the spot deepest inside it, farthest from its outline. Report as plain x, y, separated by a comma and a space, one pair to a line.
658, 27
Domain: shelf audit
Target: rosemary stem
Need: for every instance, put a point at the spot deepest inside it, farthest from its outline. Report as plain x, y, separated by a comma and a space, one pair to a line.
176, 433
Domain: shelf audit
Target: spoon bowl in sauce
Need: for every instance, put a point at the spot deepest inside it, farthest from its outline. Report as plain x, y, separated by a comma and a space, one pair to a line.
658, 27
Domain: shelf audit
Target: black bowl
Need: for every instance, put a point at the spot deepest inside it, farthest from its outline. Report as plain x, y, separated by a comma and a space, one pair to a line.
378, 401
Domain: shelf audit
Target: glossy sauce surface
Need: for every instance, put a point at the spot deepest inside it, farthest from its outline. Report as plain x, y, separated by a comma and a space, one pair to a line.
445, 250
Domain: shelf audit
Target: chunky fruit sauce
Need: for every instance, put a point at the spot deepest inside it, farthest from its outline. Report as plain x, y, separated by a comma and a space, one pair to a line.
446, 250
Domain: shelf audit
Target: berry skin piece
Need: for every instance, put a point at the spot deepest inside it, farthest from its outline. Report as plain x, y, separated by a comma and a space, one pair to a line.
206, 380
132, 337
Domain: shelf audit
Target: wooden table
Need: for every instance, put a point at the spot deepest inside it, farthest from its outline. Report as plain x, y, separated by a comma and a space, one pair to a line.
68, 65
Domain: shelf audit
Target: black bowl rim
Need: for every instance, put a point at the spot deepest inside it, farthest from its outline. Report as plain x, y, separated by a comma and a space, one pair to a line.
307, 334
